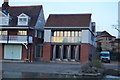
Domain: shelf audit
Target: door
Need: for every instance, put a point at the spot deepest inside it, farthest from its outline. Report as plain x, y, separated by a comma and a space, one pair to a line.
12, 52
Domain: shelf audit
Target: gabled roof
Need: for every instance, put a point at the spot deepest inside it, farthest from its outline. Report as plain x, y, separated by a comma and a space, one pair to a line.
104, 34
32, 11
68, 20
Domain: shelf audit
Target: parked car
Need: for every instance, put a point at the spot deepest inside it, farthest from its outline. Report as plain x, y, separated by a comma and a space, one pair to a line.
105, 56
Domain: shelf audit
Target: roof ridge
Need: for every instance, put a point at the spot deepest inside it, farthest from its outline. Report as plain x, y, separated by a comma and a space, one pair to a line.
74, 14
26, 6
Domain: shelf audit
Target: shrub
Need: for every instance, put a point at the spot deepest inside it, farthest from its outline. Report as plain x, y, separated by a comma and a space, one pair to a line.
94, 66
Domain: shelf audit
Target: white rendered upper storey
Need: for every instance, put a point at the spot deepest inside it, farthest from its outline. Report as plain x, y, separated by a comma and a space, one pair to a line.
69, 28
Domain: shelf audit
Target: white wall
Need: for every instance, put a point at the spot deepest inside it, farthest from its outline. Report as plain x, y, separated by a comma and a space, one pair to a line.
47, 35
86, 37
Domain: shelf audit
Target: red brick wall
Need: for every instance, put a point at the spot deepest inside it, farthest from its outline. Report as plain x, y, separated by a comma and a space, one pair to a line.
23, 53
85, 51
1, 51
46, 51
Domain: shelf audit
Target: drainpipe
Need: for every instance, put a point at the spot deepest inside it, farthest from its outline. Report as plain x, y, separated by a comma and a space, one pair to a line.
26, 49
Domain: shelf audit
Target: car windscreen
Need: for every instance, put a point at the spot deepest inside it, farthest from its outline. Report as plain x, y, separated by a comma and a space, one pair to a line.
104, 54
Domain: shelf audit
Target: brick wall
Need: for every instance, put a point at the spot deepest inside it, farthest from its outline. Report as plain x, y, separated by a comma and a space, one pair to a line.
85, 51
1, 51
46, 52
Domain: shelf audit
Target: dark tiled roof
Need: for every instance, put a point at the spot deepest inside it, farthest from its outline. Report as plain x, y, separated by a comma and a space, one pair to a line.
104, 34
32, 11
68, 20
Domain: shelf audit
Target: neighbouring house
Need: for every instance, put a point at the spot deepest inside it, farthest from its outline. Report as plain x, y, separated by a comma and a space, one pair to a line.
21, 32
104, 40
69, 37
116, 45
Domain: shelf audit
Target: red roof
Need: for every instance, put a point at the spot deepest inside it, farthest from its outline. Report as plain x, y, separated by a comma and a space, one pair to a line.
68, 20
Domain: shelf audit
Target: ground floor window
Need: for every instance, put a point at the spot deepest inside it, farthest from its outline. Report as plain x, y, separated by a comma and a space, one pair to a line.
39, 51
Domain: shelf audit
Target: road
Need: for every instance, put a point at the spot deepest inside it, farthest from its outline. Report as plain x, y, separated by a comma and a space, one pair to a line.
112, 65
42, 67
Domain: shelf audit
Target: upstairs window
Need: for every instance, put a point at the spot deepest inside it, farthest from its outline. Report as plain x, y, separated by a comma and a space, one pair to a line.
3, 32
23, 20
22, 32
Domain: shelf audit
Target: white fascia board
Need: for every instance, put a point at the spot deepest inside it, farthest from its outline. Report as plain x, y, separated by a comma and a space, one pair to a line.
2, 13
23, 14
14, 27
66, 27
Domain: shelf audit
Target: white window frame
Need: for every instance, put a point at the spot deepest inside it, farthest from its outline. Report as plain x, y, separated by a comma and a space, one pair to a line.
23, 23
4, 19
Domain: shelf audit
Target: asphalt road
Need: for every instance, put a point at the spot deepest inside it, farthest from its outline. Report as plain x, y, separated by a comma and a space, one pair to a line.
112, 65
43, 67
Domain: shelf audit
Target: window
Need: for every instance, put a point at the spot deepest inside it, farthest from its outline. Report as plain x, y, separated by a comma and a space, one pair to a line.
65, 33
58, 33
23, 19
76, 33
69, 34
79, 33
72, 34
55, 33
22, 32
61, 33
3, 32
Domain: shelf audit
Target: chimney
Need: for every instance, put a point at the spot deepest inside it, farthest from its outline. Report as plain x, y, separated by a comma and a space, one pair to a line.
5, 5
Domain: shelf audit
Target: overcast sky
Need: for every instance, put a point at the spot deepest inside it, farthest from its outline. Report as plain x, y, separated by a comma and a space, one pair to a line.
104, 12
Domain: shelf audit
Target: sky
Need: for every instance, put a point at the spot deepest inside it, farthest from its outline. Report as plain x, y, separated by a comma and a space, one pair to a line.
104, 12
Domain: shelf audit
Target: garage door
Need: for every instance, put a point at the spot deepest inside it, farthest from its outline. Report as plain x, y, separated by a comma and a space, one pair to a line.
12, 51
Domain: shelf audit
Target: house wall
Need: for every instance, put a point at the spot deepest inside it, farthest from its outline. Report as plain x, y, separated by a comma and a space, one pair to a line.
1, 51
105, 42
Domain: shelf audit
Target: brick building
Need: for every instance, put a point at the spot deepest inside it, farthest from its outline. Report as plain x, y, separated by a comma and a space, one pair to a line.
69, 37
104, 40
21, 30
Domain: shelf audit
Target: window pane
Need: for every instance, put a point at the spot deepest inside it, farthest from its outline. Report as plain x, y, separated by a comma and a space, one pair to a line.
76, 33
0, 32
79, 33
22, 19
22, 32
61, 33
72, 34
58, 33
68, 33
65, 33
55, 33
3, 32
